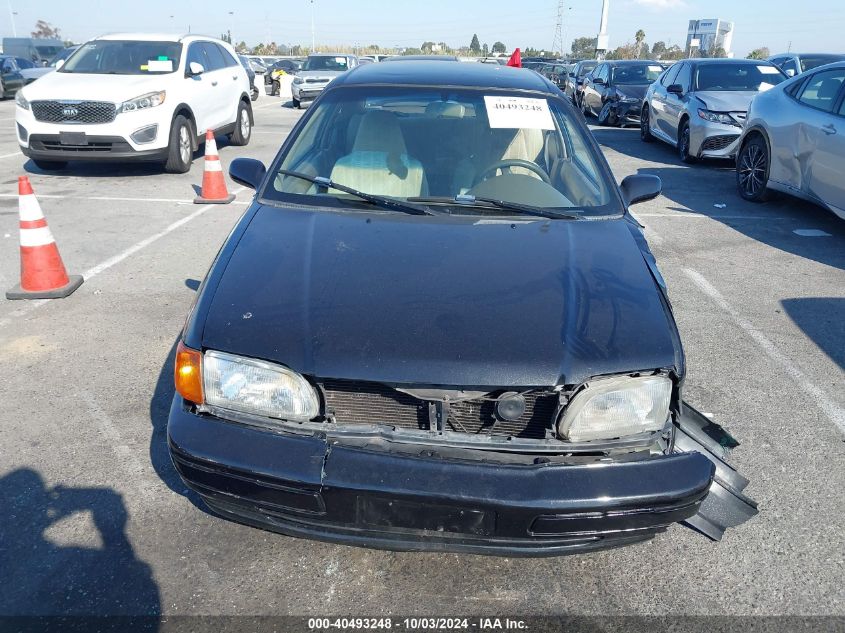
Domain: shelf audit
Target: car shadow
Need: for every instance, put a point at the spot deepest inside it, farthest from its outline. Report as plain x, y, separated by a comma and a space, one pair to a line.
822, 319
700, 187
42, 577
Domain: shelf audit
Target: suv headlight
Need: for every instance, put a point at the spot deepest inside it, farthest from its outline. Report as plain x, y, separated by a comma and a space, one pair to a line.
21, 101
717, 117
143, 102
298, 80
613, 407
257, 387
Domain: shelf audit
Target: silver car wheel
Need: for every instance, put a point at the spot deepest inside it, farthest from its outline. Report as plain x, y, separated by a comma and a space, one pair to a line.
184, 144
244, 124
752, 170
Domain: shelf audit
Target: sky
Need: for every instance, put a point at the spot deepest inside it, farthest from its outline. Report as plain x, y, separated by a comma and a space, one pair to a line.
815, 26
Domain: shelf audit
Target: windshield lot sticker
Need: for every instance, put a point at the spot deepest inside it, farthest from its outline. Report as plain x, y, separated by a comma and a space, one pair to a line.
519, 112
160, 66
768, 70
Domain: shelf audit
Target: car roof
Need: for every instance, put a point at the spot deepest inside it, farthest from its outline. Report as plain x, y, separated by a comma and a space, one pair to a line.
725, 60
331, 55
630, 62
157, 37
430, 73
433, 58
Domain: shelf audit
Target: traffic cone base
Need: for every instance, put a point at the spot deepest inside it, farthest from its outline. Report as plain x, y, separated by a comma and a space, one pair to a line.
57, 293
226, 200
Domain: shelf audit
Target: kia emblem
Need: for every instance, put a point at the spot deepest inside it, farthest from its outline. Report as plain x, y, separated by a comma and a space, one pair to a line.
70, 113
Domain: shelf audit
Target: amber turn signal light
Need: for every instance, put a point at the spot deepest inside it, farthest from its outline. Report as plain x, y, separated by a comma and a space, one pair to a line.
188, 374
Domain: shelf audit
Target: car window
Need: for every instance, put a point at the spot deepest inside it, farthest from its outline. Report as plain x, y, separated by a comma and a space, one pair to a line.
822, 89
636, 74
124, 57
809, 62
228, 60
671, 74
684, 76
326, 62
7, 65
737, 77
585, 68
438, 142
196, 55
24, 63
214, 56
789, 65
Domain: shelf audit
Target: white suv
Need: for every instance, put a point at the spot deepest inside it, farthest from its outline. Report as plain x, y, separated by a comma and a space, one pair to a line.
135, 97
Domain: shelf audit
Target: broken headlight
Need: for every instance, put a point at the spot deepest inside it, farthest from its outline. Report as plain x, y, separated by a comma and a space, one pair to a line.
608, 408
257, 387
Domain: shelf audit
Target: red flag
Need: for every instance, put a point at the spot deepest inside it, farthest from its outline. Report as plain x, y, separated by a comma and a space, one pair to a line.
516, 59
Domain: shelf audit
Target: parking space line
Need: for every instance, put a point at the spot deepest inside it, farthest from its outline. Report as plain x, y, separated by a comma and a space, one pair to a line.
826, 404
10, 155
112, 261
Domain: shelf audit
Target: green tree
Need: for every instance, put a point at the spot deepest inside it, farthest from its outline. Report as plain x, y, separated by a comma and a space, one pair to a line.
242, 47
584, 47
673, 53
475, 45
759, 53
639, 37
499, 47
485, 50
45, 30
658, 49
426, 47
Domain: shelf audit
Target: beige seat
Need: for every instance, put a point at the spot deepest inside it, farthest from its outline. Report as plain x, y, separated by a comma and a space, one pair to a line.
379, 161
526, 144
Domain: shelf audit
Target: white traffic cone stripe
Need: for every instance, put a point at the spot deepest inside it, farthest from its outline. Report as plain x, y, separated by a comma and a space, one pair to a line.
36, 237
211, 147
213, 165
29, 208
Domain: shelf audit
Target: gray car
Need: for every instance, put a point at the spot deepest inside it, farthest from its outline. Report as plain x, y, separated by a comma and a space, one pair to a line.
317, 71
796, 63
699, 105
794, 140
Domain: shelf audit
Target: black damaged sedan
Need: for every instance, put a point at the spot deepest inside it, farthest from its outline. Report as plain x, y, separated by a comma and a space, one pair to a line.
437, 327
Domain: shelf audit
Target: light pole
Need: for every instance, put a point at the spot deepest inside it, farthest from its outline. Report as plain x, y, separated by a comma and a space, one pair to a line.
12, 15
313, 38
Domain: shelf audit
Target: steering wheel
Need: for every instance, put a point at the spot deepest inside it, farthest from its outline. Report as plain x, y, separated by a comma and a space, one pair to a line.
508, 163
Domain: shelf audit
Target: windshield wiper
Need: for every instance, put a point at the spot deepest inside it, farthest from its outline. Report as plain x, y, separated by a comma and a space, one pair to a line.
469, 200
381, 201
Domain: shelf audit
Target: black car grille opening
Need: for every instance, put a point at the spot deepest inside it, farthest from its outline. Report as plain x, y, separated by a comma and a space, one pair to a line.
350, 402
74, 111
715, 143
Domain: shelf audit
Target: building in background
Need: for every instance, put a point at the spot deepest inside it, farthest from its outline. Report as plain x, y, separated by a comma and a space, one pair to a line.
706, 37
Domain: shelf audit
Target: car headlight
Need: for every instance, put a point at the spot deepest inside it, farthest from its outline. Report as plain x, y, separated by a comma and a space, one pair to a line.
21, 101
613, 407
143, 102
298, 80
717, 117
257, 387
627, 99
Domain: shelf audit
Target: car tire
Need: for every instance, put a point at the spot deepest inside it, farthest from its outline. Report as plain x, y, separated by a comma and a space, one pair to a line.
50, 165
752, 170
584, 109
645, 123
277, 89
683, 144
606, 117
180, 150
296, 103
243, 126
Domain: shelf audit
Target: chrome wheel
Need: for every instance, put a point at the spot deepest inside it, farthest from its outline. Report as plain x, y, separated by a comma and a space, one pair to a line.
751, 170
185, 148
244, 124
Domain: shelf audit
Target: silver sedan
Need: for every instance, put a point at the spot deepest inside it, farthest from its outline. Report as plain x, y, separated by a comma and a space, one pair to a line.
794, 140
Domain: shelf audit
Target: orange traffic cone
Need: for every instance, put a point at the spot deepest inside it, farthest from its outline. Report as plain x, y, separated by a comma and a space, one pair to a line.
43, 275
213, 184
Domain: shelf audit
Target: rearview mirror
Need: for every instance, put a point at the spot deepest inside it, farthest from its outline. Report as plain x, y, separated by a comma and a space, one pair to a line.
790, 72
60, 63
195, 69
636, 188
675, 89
247, 172
598, 81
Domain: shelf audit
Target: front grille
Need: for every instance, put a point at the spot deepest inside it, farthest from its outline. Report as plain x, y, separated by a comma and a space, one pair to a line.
74, 111
350, 402
316, 80
715, 143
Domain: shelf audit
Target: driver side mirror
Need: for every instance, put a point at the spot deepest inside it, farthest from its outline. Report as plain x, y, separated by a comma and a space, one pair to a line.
247, 172
639, 188
60, 63
675, 89
195, 69
790, 72
598, 81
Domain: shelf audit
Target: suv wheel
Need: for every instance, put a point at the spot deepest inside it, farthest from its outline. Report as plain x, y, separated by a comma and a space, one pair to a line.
584, 109
296, 103
180, 151
277, 88
752, 170
683, 144
606, 117
645, 123
243, 126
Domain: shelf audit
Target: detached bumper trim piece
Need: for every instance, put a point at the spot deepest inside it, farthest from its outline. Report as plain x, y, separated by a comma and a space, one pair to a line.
400, 497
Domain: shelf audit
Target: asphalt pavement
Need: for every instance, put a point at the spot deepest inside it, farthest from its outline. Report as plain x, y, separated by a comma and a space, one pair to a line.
95, 519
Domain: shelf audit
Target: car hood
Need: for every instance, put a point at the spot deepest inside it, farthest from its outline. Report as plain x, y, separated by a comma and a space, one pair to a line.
438, 301
35, 73
320, 74
726, 101
634, 92
112, 88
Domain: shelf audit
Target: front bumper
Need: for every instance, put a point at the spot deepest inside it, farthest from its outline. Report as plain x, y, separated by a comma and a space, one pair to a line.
713, 140
304, 93
393, 496
628, 113
50, 147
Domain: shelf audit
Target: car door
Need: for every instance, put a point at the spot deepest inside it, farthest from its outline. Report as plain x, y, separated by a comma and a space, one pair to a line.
825, 121
12, 78
232, 82
659, 97
675, 102
220, 87
200, 93
591, 96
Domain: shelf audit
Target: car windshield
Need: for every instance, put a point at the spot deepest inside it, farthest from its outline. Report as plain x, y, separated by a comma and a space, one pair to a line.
586, 68
808, 62
64, 54
636, 74
326, 62
124, 57
737, 77
440, 146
